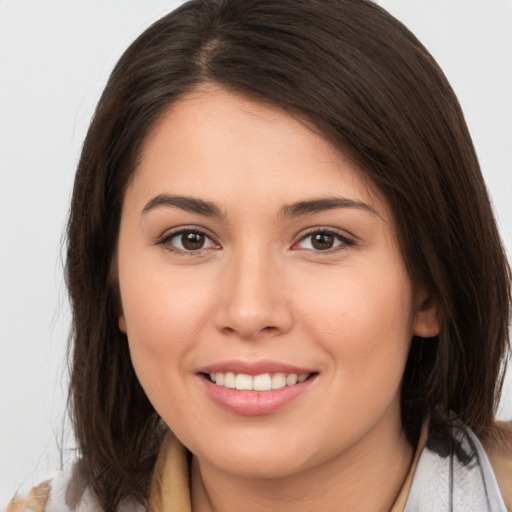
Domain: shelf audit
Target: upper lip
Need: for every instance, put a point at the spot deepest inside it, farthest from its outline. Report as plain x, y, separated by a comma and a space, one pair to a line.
254, 367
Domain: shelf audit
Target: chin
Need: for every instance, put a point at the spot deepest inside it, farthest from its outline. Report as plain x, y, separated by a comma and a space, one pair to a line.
269, 457
257, 467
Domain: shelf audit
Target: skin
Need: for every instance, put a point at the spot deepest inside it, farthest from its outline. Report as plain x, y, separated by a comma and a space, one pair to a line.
258, 290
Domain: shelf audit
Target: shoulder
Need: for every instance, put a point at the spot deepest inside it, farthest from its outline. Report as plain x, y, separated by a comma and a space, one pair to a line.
499, 451
35, 500
66, 492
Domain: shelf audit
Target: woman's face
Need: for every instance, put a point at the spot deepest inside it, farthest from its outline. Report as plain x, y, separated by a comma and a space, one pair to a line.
253, 254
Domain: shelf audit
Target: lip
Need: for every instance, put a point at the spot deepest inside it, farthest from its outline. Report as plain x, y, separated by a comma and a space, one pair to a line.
254, 367
255, 403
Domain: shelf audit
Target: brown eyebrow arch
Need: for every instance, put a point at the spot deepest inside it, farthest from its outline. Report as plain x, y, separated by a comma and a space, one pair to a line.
322, 204
189, 204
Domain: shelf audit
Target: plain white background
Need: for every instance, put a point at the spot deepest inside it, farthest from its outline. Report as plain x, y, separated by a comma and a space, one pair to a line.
55, 57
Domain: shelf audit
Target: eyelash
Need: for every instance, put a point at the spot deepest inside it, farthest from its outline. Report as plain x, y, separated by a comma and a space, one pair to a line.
166, 241
344, 241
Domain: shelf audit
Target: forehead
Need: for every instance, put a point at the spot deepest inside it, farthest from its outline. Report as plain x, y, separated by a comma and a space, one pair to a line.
212, 141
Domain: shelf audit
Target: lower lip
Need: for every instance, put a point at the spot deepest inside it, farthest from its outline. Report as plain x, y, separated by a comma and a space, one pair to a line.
255, 403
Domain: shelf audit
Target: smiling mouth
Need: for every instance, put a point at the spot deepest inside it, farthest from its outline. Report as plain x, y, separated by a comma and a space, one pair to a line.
262, 382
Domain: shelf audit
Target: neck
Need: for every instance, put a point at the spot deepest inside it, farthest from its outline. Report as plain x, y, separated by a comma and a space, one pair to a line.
366, 478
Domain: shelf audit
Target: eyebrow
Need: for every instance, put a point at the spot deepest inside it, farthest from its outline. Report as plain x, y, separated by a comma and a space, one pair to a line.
209, 209
322, 204
189, 204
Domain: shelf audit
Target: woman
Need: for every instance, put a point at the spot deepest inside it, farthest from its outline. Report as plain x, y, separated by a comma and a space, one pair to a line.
281, 250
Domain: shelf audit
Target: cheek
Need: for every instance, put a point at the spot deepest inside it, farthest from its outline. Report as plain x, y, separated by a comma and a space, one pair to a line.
157, 300
163, 315
363, 318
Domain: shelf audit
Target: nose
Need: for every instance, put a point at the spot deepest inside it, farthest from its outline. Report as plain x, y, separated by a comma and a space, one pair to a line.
255, 301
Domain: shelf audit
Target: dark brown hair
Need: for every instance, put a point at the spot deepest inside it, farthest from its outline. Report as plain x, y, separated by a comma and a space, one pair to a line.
373, 91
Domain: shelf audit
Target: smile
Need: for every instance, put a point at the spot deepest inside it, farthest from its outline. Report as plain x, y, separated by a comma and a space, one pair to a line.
262, 382
255, 389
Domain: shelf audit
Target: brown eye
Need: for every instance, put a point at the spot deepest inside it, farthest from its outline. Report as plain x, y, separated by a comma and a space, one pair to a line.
188, 241
192, 241
322, 241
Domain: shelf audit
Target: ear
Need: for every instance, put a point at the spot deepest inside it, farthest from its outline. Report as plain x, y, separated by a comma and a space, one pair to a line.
427, 322
121, 322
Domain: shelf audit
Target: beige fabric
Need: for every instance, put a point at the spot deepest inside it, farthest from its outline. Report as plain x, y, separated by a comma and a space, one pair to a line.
400, 502
502, 465
35, 500
170, 488
500, 456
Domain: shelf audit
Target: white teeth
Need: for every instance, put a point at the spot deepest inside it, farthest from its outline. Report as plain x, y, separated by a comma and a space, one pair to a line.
243, 381
278, 381
263, 382
229, 380
291, 379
